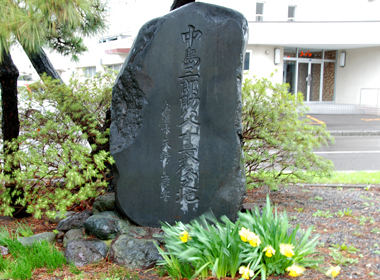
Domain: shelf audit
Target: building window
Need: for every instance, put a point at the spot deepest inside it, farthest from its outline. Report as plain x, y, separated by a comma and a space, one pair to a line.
89, 71
259, 11
291, 13
246, 60
115, 67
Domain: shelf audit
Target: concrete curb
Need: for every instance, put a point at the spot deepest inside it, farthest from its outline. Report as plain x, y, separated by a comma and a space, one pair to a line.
355, 133
336, 185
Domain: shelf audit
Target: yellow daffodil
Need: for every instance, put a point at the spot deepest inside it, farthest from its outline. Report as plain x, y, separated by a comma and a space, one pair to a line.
269, 251
295, 270
184, 236
253, 239
245, 272
244, 234
333, 271
286, 250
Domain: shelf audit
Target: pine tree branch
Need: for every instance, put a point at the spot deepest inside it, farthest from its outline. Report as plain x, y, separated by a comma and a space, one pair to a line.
42, 64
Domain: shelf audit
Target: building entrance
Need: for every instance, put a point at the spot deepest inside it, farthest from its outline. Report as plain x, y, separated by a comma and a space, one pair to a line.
311, 72
309, 80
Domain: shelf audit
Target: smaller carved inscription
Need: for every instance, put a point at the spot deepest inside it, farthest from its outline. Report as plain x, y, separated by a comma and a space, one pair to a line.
165, 155
165, 181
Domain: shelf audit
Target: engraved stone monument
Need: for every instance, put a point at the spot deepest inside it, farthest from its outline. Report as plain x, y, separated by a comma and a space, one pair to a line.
176, 117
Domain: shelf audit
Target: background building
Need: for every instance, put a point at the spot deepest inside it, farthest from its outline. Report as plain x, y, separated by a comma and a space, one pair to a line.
328, 50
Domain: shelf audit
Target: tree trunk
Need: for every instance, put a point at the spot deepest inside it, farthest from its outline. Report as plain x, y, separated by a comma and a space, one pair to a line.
10, 123
178, 3
42, 64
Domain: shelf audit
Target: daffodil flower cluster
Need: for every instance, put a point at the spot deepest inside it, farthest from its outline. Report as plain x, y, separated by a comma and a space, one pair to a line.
333, 271
287, 250
269, 251
184, 236
245, 272
257, 244
248, 236
295, 270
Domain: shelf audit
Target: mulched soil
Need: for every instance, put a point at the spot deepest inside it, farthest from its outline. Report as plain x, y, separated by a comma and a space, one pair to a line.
361, 229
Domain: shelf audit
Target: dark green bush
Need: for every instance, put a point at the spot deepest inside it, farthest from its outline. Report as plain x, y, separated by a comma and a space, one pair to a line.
61, 149
278, 142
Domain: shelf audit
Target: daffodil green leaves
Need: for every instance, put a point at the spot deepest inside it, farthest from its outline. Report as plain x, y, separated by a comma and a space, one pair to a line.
291, 247
258, 243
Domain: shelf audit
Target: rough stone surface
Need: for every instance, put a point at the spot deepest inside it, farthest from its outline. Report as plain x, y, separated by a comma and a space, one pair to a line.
60, 235
74, 221
176, 132
4, 250
49, 236
85, 251
58, 218
103, 203
72, 235
134, 253
109, 224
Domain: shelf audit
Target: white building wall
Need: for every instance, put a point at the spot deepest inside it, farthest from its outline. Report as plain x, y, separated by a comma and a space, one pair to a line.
324, 35
319, 24
362, 70
307, 10
337, 10
262, 63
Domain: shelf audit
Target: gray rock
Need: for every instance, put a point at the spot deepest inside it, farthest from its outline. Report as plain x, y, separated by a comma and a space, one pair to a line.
85, 251
72, 235
109, 224
60, 235
74, 221
176, 132
103, 203
4, 250
49, 236
134, 253
58, 218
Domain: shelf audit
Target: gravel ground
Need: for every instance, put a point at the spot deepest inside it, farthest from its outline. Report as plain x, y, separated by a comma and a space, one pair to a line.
359, 227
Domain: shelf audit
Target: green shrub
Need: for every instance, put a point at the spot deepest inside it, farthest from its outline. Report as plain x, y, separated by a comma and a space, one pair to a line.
278, 145
61, 149
208, 247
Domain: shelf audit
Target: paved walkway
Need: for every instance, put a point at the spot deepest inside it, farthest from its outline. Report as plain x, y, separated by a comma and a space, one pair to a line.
348, 125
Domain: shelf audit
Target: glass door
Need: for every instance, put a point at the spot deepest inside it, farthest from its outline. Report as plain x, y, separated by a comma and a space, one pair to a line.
314, 81
290, 75
303, 74
309, 80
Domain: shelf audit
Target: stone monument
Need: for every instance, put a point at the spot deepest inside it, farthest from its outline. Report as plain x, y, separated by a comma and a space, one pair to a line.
176, 117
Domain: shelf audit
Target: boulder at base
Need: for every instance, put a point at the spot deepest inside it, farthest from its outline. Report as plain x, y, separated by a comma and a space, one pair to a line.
85, 251
108, 225
134, 252
176, 132
74, 222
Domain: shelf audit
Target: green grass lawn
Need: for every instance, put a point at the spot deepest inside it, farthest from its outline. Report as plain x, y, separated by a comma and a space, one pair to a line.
361, 177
